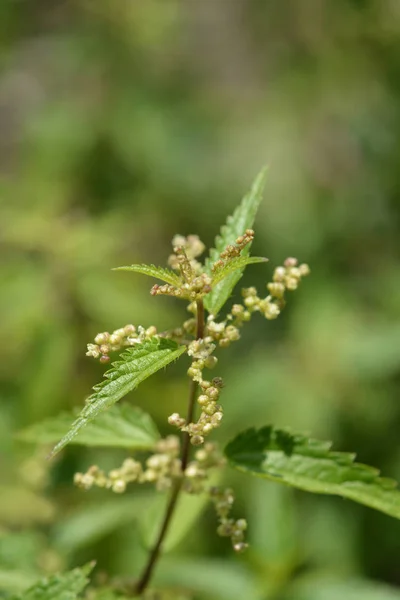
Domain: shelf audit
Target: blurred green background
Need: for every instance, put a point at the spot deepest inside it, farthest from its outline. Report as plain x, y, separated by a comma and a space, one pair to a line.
123, 122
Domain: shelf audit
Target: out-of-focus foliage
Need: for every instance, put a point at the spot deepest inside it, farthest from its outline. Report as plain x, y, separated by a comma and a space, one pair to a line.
123, 122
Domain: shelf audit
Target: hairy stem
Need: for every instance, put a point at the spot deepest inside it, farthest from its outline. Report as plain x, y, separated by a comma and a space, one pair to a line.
155, 552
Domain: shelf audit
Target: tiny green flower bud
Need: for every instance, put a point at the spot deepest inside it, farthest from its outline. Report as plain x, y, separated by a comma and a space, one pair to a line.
205, 384
212, 392
150, 475
176, 419
292, 283
210, 362
304, 270
119, 486
201, 455
93, 350
279, 274
210, 408
207, 428
191, 471
129, 329
240, 547
104, 358
291, 262
276, 289
102, 338
250, 301
203, 400
217, 418
237, 310
197, 440
192, 372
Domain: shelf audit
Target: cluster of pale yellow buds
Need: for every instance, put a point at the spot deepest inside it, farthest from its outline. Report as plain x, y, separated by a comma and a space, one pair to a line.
223, 333
186, 249
211, 412
120, 338
194, 288
232, 251
269, 308
223, 501
160, 468
285, 278
196, 473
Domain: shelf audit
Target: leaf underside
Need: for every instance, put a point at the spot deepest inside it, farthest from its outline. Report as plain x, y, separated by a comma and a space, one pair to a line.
236, 225
152, 271
122, 426
240, 262
137, 364
310, 465
65, 586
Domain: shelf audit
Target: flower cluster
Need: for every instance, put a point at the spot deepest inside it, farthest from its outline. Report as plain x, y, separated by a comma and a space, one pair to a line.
196, 473
285, 278
186, 250
211, 412
160, 468
223, 501
120, 338
194, 288
233, 250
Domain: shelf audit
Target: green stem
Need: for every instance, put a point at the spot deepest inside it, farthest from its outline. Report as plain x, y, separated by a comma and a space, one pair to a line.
185, 453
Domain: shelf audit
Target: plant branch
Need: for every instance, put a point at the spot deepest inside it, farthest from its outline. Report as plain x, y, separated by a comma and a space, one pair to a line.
155, 552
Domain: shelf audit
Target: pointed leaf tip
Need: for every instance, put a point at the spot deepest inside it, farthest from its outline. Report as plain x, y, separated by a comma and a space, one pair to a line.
152, 271
236, 225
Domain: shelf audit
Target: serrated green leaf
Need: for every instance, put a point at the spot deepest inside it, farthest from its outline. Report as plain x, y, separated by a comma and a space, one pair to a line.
122, 426
65, 586
242, 219
136, 365
152, 271
240, 262
310, 465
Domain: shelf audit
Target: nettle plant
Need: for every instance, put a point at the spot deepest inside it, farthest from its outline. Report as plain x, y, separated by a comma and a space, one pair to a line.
183, 462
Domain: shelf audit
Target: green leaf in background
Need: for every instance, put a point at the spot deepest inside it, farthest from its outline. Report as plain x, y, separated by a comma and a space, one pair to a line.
310, 465
65, 586
20, 506
122, 426
152, 271
324, 586
136, 365
15, 581
242, 219
94, 521
240, 262
210, 579
188, 511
